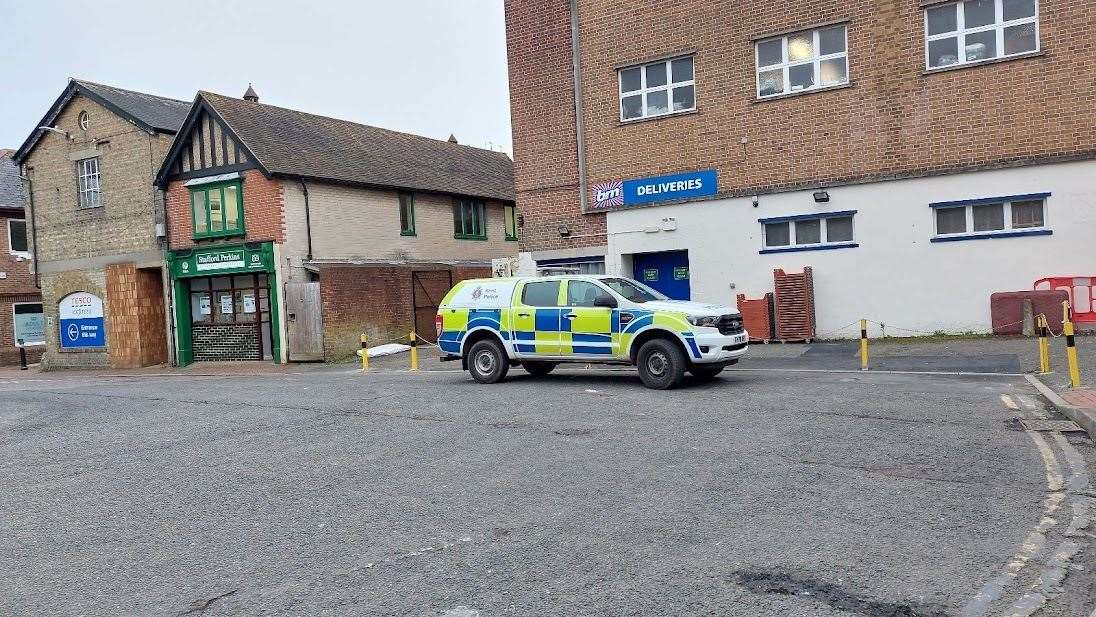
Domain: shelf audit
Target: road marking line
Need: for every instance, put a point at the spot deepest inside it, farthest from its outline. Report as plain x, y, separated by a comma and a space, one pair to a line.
859, 372
1011, 404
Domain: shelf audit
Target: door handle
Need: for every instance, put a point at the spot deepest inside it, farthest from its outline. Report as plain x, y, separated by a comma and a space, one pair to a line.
570, 315
523, 314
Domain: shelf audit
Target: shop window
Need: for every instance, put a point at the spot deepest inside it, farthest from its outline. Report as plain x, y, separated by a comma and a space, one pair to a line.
657, 89
992, 217
89, 186
808, 232
239, 299
17, 237
980, 30
803, 61
217, 210
407, 214
510, 219
469, 220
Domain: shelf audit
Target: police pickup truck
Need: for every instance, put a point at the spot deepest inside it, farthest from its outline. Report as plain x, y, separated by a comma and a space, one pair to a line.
491, 324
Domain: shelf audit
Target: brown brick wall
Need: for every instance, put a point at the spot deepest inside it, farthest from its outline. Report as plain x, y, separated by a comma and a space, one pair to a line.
264, 218
16, 286
894, 120
374, 300
135, 322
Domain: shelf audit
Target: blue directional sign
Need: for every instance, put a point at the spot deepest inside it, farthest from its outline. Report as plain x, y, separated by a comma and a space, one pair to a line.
81, 317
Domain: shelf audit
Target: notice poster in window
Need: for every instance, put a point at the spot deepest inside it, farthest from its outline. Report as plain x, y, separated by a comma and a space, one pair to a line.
249, 301
226, 304
204, 305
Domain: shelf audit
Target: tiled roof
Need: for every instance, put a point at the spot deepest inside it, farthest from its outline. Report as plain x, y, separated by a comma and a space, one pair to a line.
299, 144
11, 188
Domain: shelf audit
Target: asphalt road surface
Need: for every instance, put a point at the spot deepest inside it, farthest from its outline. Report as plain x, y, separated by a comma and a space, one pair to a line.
394, 493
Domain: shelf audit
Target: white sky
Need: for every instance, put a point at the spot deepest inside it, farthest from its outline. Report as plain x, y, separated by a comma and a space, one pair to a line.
431, 67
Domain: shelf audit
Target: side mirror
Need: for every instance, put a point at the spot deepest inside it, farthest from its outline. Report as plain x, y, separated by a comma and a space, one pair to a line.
605, 301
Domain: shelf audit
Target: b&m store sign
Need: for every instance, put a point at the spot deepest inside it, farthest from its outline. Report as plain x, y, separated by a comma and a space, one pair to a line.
638, 191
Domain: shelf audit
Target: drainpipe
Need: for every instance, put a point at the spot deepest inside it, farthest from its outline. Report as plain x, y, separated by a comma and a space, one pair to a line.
307, 219
169, 286
580, 126
33, 227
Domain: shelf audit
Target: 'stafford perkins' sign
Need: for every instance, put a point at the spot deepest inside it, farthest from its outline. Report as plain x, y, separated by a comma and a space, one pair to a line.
81, 316
223, 260
228, 260
637, 191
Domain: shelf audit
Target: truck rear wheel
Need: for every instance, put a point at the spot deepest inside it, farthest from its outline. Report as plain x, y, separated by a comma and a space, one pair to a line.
487, 361
661, 364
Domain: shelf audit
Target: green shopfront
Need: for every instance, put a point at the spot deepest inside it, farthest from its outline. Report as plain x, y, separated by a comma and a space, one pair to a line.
226, 303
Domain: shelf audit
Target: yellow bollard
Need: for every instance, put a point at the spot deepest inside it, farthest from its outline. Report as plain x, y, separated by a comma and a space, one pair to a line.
1044, 345
863, 344
1071, 349
414, 352
365, 353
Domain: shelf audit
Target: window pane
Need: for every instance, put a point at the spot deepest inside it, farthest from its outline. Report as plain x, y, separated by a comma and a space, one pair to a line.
977, 13
833, 71
771, 82
630, 80
943, 52
199, 200
801, 77
942, 19
839, 229
222, 282
582, 293
543, 293
1020, 39
951, 220
831, 40
981, 45
17, 230
801, 46
770, 53
216, 213
201, 308
1027, 214
808, 232
1018, 9
510, 221
682, 69
458, 228
989, 218
656, 75
684, 98
657, 103
232, 211
632, 106
407, 213
201, 284
777, 234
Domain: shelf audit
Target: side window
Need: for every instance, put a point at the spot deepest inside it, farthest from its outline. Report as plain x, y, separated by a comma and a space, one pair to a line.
407, 214
217, 210
541, 293
583, 293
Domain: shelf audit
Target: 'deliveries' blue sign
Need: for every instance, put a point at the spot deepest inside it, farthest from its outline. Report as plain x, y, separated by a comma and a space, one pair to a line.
688, 185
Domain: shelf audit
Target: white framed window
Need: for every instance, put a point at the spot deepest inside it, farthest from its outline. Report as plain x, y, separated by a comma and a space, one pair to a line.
1022, 214
90, 192
657, 89
17, 237
803, 61
979, 30
806, 232
83, 119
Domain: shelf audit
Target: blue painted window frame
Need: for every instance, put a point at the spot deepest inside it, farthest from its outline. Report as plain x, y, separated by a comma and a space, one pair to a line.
1007, 232
793, 248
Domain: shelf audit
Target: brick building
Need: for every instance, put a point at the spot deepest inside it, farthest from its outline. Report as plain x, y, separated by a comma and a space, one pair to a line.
97, 223
291, 233
919, 155
20, 300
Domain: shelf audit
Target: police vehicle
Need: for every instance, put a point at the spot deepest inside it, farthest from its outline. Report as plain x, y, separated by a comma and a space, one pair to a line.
492, 324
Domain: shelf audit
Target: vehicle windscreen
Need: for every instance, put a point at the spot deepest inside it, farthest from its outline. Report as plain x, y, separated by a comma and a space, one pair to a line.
633, 290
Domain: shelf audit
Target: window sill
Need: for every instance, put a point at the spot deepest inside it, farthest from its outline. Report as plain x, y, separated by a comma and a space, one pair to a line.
990, 235
408, 234
20, 254
215, 235
970, 65
460, 237
788, 95
511, 239
674, 114
815, 247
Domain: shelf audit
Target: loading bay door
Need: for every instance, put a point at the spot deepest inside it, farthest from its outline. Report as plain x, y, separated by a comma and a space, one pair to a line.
428, 288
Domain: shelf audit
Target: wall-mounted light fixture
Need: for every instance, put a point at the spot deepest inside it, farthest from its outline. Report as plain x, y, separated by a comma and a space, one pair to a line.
821, 196
564, 231
756, 201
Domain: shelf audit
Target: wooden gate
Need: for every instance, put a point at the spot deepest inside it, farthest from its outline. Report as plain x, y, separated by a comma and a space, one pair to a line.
305, 321
428, 288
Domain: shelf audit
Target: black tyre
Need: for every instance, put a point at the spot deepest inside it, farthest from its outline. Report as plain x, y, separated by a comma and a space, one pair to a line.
487, 361
661, 364
538, 368
706, 371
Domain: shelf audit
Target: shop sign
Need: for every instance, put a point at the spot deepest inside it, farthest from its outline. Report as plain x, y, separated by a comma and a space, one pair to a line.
81, 316
29, 324
681, 273
650, 275
637, 191
224, 260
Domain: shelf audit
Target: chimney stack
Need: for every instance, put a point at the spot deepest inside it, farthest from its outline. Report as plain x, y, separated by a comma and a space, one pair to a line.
251, 95
452, 138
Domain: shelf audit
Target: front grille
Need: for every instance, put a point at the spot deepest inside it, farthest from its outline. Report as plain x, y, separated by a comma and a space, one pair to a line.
730, 324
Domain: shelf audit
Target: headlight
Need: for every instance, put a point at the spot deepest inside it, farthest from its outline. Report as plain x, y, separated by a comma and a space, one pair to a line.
711, 321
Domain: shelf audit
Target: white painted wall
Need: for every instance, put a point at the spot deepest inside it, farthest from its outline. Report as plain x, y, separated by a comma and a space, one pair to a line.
896, 275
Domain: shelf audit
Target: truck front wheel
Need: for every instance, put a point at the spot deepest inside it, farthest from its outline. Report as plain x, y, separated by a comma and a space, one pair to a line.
487, 361
661, 364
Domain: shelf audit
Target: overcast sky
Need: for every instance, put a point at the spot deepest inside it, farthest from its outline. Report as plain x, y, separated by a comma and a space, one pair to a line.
431, 67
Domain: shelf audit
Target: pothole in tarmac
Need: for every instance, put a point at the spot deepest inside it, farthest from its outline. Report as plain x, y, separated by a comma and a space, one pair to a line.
573, 432
786, 583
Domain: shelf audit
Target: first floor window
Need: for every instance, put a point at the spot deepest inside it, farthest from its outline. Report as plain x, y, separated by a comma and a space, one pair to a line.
217, 210
802, 61
808, 231
17, 236
979, 30
407, 214
989, 216
657, 89
89, 188
469, 220
510, 219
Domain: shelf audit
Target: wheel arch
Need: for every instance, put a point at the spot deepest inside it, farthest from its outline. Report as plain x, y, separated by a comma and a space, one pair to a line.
656, 332
476, 335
